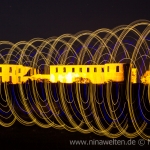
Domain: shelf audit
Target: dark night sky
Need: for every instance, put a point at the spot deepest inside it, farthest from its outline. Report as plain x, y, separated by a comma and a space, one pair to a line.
27, 19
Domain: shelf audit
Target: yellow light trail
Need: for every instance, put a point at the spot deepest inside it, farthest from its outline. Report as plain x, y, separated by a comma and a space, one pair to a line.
82, 110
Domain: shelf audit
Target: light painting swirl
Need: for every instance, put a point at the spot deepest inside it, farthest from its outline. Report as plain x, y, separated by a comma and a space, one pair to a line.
109, 109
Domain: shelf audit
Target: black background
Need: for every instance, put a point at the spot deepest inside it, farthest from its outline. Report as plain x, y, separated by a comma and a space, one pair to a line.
24, 20
27, 19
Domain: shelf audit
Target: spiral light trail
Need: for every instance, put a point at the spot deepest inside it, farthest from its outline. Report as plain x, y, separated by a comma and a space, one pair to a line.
109, 109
